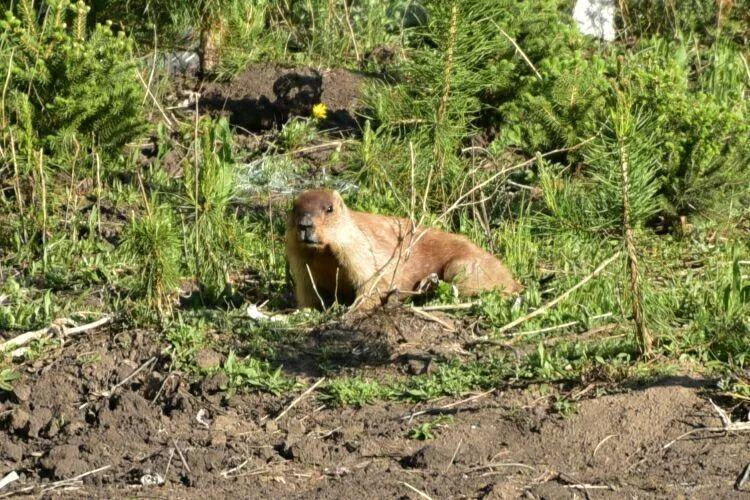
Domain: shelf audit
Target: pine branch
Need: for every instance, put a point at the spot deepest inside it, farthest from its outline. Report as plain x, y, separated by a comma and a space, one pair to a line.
643, 336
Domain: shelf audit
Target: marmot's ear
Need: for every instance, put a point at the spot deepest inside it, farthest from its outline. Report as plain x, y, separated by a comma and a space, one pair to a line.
338, 198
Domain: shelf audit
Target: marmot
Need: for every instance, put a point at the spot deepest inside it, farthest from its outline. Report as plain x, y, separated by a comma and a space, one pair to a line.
356, 256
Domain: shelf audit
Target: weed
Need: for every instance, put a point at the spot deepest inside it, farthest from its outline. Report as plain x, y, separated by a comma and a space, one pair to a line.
186, 340
565, 407
426, 430
7, 377
152, 243
254, 374
354, 391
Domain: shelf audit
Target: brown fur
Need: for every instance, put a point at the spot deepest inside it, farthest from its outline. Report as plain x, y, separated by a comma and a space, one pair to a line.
360, 256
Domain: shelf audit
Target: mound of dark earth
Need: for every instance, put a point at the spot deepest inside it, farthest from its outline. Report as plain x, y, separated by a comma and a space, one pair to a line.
265, 95
158, 435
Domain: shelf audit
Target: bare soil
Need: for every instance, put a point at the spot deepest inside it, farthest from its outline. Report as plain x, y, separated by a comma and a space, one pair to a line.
64, 419
266, 95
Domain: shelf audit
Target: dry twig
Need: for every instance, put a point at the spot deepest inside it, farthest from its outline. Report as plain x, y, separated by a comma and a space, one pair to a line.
299, 398
448, 406
418, 492
25, 338
549, 305
727, 426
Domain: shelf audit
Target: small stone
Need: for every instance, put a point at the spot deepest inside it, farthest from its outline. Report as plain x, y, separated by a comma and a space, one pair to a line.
13, 452
22, 392
53, 429
218, 440
19, 420
207, 359
271, 426
39, 419
214, 383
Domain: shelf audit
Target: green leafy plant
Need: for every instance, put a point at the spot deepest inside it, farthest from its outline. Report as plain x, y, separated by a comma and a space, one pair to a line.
354, 391
254, 374
186, 340
7, 377
152, 243
426, 430
215, 236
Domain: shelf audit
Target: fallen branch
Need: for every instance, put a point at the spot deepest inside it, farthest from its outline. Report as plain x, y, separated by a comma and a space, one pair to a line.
56, 327
563, 296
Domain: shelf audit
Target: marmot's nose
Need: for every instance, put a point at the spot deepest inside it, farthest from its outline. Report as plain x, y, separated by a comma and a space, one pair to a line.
305, 222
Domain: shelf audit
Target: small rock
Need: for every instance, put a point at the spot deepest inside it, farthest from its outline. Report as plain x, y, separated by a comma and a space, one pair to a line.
63, 461
152, 479
19, 420
308, 450
271, 426
22, 392
203, 418
39, 420
218, 440
207, 359
13, 452
214, 383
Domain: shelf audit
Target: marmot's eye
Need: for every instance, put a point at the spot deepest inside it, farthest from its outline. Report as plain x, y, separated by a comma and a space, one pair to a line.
329, 209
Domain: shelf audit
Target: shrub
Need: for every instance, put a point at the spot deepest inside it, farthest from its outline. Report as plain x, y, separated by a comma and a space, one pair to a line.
68, 85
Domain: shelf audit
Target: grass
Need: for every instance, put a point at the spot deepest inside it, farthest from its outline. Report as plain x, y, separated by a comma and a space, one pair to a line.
182, 253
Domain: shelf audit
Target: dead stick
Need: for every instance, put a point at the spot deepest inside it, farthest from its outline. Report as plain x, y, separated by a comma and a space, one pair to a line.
433, 318
448, 406
743, 478
448, 307
563, 296
299, 398
56, 484
124, 381
415, 490
182, 457
27, 337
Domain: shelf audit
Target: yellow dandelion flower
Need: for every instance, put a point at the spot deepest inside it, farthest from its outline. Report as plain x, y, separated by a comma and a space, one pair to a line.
319, 111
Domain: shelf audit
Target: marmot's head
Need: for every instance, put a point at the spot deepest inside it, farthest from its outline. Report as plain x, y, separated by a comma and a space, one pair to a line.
317, 216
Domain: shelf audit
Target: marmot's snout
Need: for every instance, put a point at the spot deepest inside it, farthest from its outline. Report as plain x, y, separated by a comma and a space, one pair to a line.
306, 230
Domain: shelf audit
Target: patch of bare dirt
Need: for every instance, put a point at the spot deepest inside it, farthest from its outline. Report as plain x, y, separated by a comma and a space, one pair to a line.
265, 95
390, 340
64, 419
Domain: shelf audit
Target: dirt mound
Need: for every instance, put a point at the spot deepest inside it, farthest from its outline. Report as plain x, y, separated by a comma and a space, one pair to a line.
109, 407
266, 95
